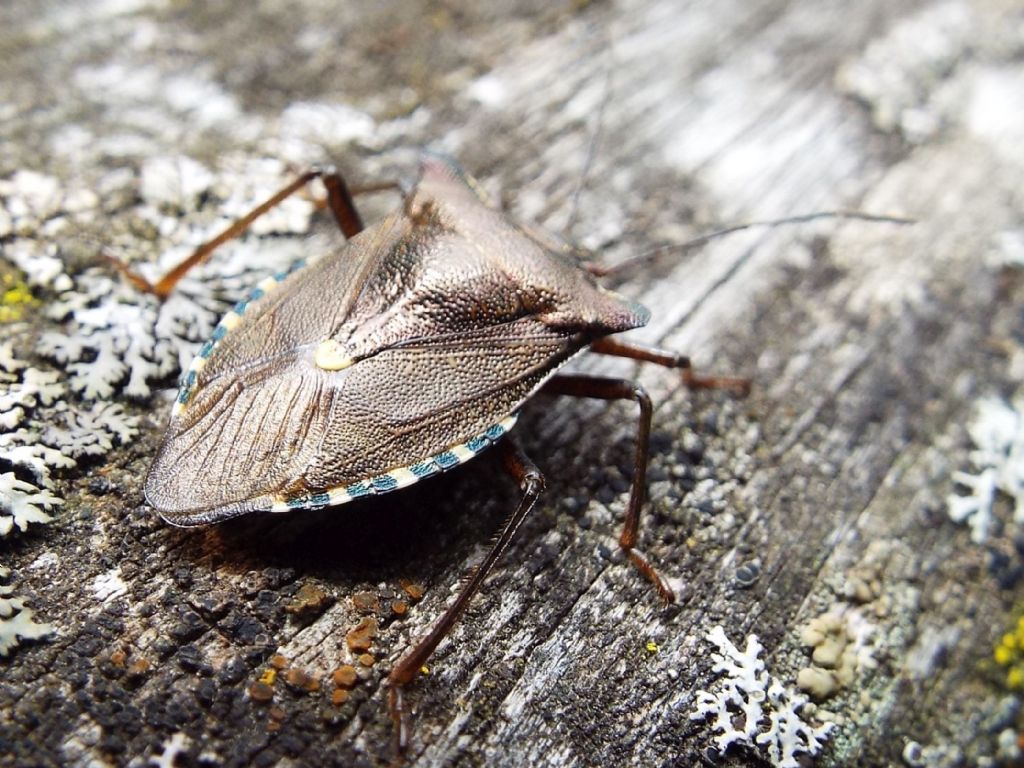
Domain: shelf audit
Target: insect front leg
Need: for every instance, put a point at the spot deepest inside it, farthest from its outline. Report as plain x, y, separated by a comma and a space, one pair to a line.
339, 200
608, 346
621, 389
531, 481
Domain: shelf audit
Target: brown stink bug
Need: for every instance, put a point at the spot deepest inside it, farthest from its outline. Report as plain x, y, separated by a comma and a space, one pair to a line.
403, 353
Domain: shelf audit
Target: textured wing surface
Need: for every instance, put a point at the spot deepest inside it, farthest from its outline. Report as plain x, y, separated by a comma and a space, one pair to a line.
440, 321
408, 402
239, 437
309, 305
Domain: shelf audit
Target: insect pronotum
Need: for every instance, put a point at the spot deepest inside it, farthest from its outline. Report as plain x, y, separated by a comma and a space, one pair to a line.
403, 353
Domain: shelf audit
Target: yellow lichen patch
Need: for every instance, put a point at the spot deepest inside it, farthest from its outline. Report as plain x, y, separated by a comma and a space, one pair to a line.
268, 677
1009, 653
331, 356
15, 298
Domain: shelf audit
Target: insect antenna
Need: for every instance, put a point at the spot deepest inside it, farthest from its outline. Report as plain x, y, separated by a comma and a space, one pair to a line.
624, 266
595, 141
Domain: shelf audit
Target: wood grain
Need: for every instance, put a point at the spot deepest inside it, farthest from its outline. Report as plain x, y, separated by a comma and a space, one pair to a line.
867, 344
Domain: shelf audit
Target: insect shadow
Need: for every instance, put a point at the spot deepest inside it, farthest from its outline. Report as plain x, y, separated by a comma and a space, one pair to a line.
400, 536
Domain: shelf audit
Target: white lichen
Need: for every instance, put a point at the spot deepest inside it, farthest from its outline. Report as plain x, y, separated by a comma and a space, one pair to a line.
997, 432
114, 337
22, 448
23, 388
170, 751
9, 363
41, 432
91, 431
120, 339
752, 709
900, 73
17, 623
34, 207
23, 504
742, 692
109, 586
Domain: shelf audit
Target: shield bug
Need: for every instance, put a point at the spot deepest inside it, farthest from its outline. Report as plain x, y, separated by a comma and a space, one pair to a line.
403, 353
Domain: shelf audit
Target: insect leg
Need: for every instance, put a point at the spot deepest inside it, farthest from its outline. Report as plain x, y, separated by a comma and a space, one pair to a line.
608, 346
531, 481
620, 389
339, 200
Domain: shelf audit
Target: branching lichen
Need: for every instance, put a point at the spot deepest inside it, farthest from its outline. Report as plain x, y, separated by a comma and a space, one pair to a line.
119, 339
91, 431
997, 432
17, 623
42, 432
752, 709
22, 504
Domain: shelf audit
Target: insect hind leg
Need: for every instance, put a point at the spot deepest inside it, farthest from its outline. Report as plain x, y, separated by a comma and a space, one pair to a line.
531, 481
620, 389
339, 200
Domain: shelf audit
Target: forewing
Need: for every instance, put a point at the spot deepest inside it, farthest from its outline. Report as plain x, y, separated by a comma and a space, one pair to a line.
240, 439
309, 305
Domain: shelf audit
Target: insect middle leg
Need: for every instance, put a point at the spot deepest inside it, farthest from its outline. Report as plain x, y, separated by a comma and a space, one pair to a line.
339, 200
531, 481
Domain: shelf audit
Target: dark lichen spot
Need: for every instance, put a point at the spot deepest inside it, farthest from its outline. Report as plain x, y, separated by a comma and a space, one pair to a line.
241, 628
214, 605
205, 691
233, 671
100, 486
189, 627
191, 660
748, 573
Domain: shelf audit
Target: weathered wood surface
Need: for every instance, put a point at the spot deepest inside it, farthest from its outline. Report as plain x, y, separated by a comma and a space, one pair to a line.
867, 343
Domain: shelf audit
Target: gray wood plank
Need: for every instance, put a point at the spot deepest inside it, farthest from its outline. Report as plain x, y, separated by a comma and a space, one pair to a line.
868, 345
